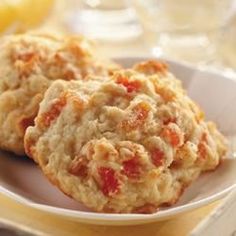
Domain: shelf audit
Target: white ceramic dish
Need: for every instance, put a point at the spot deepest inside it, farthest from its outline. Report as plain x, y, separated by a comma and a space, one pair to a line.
21, 180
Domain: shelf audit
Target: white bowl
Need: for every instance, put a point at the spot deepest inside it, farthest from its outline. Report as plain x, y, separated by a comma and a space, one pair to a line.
21, 180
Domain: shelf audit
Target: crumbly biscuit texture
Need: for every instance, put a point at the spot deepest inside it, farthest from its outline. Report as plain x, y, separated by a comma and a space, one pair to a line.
130, 143
28, 65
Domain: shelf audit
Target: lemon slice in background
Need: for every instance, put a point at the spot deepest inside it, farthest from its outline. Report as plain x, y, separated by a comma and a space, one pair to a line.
23, 13
32, 13
7, 16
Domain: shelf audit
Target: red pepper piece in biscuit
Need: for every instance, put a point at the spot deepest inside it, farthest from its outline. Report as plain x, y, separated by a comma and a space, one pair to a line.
110, 184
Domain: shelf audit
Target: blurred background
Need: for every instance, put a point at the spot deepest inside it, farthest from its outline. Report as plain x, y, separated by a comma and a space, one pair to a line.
200, 32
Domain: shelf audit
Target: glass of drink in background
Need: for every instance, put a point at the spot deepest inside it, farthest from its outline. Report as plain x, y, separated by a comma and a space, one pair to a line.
227, 44
105, 20
183, 29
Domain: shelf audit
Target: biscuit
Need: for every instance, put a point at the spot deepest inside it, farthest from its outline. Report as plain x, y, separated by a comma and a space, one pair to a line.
28, 65
129, 143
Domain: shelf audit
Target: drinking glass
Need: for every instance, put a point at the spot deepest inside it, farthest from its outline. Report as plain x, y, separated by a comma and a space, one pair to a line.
227, 45
183, 29
104, 19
